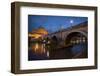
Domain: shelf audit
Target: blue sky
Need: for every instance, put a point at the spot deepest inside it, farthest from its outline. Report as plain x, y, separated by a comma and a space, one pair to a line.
53, 23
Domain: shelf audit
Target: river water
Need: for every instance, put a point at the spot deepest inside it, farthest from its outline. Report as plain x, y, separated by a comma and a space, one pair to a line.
40, 51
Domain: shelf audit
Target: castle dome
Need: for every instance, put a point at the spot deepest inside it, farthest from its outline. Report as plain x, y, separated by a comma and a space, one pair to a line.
38, 32
41, 31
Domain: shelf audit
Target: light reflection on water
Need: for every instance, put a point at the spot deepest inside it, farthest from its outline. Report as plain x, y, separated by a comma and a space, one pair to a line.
40, 49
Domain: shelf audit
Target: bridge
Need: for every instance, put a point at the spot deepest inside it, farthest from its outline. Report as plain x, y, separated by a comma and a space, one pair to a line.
69, 43
73, 34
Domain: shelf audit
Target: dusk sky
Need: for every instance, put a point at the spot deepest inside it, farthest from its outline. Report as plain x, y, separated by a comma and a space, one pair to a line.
53, 23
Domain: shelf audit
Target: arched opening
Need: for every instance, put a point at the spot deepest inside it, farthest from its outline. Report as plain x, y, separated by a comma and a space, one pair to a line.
78, 44
76, 38
54, 40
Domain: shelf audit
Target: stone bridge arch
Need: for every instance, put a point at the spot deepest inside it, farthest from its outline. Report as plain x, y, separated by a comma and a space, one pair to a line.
82, 35
81, 32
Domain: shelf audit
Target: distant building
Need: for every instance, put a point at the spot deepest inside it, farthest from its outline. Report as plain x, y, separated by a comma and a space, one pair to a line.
38, 33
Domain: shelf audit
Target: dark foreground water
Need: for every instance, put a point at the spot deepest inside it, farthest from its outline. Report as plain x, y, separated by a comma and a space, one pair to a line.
41, 51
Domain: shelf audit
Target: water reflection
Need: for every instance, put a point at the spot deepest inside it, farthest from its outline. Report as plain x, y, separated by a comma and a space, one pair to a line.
44, 50
38, 48
48, 53
38, 51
